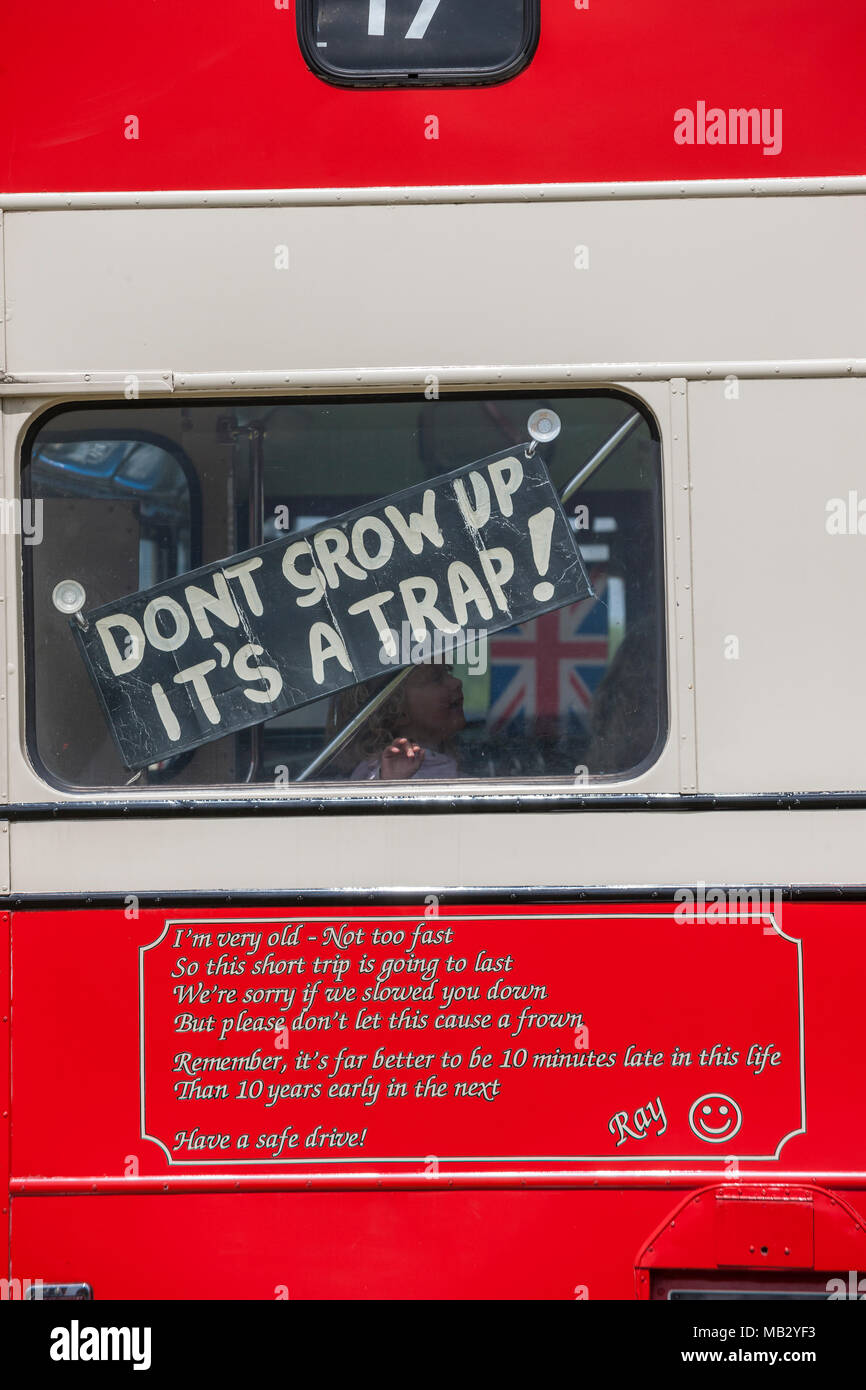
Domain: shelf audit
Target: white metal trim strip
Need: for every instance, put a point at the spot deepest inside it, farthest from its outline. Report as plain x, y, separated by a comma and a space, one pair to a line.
445, 193
682, 686
413, 378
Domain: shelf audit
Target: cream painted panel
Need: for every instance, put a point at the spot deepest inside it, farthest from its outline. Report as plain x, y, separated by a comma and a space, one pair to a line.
788, 714
197, 289
2, 295
449, 851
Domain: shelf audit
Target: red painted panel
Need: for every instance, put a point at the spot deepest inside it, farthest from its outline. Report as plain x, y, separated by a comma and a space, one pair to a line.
760, 1229
389, 1245
778, 1229
77, 1113
509, 1245
5, 1106
225, 101
722, 988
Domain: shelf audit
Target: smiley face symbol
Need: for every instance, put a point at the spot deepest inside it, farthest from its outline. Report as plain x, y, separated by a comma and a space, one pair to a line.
715, 1118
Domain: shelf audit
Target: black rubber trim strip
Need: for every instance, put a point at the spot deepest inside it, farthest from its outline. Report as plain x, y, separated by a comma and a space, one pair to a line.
479, 803
420, 897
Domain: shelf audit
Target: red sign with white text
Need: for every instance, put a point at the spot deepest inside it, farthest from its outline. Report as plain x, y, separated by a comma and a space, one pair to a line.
539, 1036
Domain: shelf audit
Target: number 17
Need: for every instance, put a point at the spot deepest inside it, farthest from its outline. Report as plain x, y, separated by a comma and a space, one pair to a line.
417, 29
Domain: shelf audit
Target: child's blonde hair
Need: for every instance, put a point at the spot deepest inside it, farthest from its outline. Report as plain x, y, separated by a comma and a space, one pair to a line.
377, 731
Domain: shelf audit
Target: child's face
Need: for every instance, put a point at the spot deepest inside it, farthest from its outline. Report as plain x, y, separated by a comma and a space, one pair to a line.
434, 705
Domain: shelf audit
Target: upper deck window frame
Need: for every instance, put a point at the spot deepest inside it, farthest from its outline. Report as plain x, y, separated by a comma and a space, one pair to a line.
484, 784
391, 76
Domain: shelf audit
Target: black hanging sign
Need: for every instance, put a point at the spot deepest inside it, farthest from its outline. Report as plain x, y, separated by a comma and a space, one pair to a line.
237, 642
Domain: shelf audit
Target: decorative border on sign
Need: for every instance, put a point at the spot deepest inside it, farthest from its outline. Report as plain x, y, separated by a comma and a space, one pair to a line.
766, 917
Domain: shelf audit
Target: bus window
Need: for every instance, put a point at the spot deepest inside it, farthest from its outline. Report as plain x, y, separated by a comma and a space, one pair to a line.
129, 495
137, 494
417, 42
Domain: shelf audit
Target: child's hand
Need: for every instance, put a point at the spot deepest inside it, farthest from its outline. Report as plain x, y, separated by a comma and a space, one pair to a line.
402, 758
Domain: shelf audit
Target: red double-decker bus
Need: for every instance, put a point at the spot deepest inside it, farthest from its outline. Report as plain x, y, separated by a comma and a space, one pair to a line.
467, 398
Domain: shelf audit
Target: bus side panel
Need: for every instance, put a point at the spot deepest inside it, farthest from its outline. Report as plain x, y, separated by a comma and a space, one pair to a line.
79, 1128
387, 1245
789, 995
5, 1086
287, 128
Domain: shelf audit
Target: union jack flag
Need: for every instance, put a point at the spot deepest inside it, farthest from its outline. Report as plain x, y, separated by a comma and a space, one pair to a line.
549, 669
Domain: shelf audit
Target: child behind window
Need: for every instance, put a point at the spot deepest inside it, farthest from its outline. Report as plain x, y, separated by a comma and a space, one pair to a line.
412, 734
